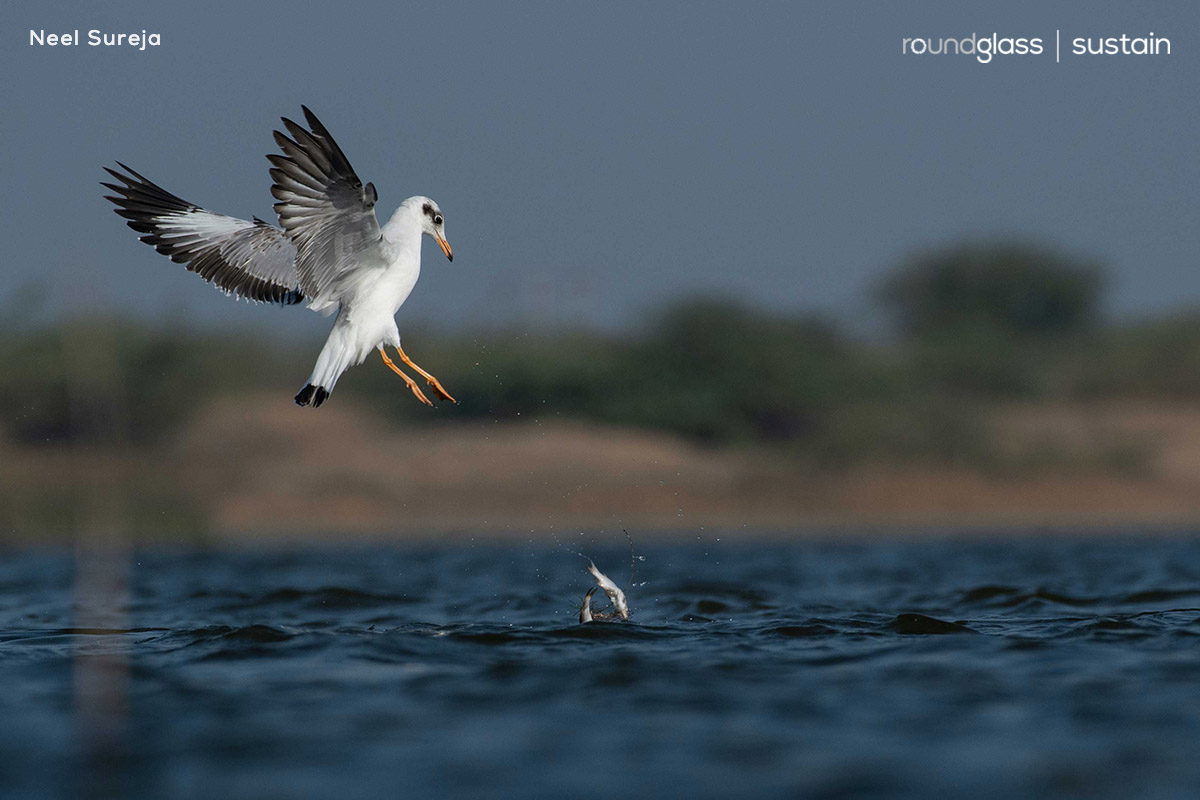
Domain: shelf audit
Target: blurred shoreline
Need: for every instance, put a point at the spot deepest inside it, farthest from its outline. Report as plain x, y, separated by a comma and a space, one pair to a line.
254, 468
999, 394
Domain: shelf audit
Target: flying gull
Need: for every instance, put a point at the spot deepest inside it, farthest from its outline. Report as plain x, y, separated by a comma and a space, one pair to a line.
328, 250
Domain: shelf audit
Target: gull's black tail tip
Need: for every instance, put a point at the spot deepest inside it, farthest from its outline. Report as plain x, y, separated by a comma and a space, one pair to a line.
311, 394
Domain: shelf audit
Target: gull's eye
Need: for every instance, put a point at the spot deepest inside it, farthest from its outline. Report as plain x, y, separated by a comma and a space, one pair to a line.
437, 219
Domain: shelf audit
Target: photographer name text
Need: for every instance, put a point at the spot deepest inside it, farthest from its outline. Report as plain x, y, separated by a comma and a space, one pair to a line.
94, 38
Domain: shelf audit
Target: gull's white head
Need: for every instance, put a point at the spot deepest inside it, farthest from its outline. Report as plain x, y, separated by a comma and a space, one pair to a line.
432, 222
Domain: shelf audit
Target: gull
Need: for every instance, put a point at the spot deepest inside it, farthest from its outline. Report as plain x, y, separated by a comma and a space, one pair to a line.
585, 611
615, 595
328, 250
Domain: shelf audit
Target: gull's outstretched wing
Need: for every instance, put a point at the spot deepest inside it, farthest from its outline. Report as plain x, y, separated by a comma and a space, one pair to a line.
615, 595
585, 611
324, 208
251, 259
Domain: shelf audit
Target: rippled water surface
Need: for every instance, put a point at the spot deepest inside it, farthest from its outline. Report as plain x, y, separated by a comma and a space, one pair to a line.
1023, 667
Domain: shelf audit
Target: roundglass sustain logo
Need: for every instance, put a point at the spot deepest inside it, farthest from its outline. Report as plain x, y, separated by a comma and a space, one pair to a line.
985, 48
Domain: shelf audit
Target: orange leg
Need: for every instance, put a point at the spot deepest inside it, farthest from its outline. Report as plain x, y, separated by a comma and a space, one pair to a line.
432, 381
407, 380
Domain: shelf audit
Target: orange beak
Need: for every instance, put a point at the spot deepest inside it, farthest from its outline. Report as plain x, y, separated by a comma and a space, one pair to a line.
445, 247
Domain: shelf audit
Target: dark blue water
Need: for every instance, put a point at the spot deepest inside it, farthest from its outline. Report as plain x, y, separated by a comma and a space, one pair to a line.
995, 669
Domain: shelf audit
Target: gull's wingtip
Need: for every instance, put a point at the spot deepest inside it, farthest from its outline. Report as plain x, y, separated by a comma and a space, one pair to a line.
311, 394
130, 171
120, 176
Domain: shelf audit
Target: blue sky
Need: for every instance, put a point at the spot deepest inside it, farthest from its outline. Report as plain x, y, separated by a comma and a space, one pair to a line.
597, 159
